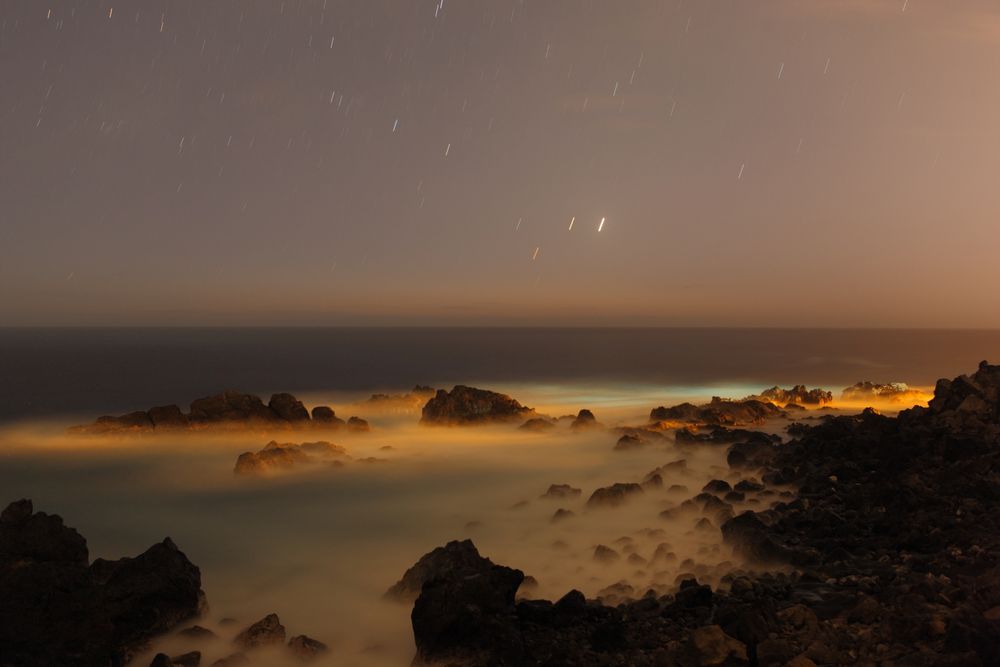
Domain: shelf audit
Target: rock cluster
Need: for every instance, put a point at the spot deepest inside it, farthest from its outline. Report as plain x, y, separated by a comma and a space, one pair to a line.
229, 410
275, 457
468, 405
889, 554
57, 608
719, 412
892, 392
797, 395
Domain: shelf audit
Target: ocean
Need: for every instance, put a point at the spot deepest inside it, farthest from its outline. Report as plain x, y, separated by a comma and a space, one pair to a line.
84, 372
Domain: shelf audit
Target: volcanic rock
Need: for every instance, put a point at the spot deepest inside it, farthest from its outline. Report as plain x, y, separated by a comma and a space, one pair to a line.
798, 394
560, 492
465, 614
614, 495
455, 555
265, 632
720, 412
288, 407
324, 415
537, 424
468, 405
306, 648
56, 609
584, 420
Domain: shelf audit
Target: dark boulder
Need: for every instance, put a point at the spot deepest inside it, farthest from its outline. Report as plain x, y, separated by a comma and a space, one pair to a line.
614, 495
584, 420
561, 492
466, 613
455, 555
265, 632
468, 405
324, 415
306, 648
55, 609
168, 417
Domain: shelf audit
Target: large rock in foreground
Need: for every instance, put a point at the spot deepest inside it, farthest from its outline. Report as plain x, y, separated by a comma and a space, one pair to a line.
468, 405
465, 613
55, 609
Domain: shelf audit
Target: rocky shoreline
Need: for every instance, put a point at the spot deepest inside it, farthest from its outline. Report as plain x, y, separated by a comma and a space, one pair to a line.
888, 556
874, 541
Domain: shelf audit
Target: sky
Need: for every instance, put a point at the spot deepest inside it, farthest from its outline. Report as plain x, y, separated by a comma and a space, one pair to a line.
420, 162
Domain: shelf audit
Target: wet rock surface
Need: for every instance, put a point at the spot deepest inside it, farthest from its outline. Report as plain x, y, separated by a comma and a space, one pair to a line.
882, 548
57, 608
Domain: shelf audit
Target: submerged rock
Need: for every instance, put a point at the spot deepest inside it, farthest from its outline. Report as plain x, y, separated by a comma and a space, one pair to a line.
276, 457
56, 609
561, 492
468, 405
614, 495
306, 648
265, 632
584, 420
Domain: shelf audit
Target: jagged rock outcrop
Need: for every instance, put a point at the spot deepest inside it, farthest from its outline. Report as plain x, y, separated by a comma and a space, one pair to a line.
456, 555
465, 612
720, 412
891, 392
468, 405
56, 608
229, 410
265, 632
276, 457
799, 394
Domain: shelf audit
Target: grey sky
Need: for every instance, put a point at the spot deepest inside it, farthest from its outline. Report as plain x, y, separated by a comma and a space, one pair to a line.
810, 162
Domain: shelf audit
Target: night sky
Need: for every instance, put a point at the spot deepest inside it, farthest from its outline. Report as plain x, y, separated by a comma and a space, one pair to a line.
785, 163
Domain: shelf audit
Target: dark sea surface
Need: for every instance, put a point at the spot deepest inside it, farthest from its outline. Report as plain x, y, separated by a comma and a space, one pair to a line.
48, 372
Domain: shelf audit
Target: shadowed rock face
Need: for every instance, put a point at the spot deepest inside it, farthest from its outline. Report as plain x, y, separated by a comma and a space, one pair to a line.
465, 613
55, 609
893, 539
229, 410
454, 556
720, 412
468, 405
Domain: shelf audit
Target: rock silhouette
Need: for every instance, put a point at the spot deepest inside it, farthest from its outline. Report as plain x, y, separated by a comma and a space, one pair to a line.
468, 405
56, 608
